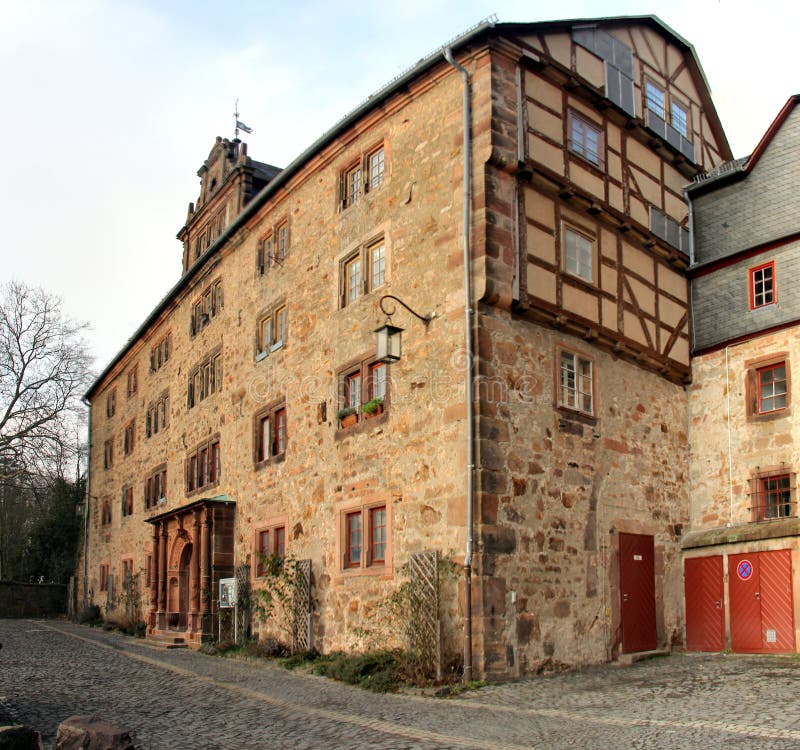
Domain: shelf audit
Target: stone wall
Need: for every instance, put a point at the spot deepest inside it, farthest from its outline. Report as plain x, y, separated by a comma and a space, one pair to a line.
32, 599
411, 458
728, 446
556, 490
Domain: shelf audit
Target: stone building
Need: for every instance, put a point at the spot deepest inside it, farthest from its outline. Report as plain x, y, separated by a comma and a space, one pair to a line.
742, 567
533, 430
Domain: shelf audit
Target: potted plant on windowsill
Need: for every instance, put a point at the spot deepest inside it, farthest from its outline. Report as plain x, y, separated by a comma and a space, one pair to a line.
372, 408
348, 416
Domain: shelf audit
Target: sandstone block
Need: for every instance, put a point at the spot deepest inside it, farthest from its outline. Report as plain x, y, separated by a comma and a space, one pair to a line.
91, 733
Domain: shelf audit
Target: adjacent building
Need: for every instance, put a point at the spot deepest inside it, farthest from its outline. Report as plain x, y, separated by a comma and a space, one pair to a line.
533, 431
742, 567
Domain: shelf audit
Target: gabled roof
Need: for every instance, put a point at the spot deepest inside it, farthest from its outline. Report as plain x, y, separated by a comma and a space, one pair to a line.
776, 125
737, 169
475, 34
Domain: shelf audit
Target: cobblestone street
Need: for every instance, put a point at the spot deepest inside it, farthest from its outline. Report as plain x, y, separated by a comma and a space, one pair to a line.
181, 700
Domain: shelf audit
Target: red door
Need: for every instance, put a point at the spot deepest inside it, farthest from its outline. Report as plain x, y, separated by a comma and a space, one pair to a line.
705, 610
638, 592
762, 618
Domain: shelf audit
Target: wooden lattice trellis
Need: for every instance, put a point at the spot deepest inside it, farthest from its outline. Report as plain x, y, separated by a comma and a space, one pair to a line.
301, 607
242, 609
424, 627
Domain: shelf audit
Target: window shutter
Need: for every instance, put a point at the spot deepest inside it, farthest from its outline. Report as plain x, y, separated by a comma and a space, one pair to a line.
342, 283
260, 257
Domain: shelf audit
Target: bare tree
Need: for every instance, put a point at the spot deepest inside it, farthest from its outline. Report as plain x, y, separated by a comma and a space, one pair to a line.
44, 369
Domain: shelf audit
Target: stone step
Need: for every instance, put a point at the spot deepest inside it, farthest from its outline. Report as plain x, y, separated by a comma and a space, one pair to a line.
642, 656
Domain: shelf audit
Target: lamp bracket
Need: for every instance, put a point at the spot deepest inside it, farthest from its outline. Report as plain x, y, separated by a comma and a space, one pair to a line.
424, 318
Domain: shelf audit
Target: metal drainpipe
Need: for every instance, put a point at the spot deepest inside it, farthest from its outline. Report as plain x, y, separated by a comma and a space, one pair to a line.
86, 508
468, 325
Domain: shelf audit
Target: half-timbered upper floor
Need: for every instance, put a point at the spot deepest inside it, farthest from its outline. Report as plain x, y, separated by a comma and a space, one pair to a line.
603, 125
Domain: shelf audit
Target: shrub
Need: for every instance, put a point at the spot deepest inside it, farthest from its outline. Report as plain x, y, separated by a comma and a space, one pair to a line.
89, 615
376, 671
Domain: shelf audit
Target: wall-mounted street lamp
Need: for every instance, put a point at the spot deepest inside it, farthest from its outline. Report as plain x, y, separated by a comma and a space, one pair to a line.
389, 337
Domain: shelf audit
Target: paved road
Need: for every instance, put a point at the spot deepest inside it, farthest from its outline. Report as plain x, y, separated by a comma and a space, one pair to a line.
181, 700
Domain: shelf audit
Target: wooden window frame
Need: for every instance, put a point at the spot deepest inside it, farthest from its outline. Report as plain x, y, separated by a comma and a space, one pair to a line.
362, 370
277, 318
205, 379
359, 177
132, 381
377, 156
103, 576
274, 531
108, 454
648, 83
111, 403
753, 405
366, 282
273, 247
155, 487
160, 353
685, 110
156, 417
587, 236
774, 381
129, 437
365, 561
207, 306
272, 416
126, 508
203, 466
752, 276
773, 493
578, 357
579, 148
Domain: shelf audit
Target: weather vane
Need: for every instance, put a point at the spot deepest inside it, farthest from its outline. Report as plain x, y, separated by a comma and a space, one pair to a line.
239, 124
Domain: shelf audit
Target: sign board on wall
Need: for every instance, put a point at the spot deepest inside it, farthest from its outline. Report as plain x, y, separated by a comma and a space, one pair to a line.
227, 592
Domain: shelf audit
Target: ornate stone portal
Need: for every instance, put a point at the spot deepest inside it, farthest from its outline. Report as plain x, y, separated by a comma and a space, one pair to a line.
192, 550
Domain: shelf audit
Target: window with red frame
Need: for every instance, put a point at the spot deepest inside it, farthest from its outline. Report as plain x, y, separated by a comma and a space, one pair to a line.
772, 388
762, 285
270, 434
774, 496
366, 537
127, 501
271, 547
203, 466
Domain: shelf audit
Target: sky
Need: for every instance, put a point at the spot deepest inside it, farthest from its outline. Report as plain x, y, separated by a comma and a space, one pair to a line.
108, 110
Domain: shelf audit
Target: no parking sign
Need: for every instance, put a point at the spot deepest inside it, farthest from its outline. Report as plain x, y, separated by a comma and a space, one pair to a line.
744, 570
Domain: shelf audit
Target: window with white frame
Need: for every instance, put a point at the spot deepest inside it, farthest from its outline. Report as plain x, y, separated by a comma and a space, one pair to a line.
576, 383
271, 331
362, 271
362, 176
586, 139
578, 255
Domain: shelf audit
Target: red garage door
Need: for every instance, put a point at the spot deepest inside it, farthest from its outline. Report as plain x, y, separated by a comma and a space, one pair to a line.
638, 592
762, 617
705, 608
